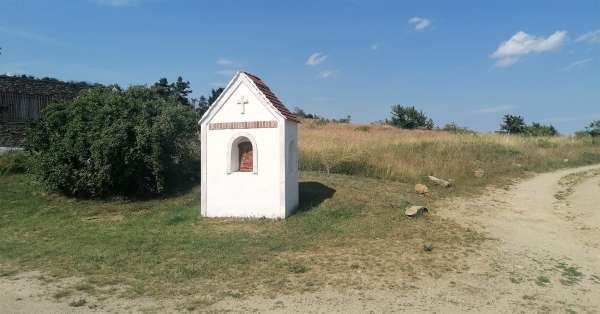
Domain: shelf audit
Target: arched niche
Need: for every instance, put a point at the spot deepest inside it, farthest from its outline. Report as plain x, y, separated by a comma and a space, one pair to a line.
241, 142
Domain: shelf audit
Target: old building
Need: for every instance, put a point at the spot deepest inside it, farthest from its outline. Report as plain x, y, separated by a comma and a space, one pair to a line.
21, 100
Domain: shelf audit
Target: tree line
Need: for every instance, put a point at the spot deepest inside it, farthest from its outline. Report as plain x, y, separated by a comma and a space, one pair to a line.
409, 117
180, 91
141, 140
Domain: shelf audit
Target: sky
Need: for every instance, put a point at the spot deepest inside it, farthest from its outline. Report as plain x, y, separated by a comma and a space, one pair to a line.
468, 62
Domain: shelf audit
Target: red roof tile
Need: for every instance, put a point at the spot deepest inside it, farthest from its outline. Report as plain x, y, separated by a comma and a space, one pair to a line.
287, 114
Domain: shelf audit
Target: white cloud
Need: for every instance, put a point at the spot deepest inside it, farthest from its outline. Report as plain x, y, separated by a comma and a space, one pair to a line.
374, 47
226, 72
591, 37
577, 64
521, 44
506, 62
316, 58
419, 23
327, 73
226, 62
495, 109
118, 3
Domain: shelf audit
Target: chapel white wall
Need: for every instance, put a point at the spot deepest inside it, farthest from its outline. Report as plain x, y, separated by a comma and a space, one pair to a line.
292, 158
243, 194
255, 110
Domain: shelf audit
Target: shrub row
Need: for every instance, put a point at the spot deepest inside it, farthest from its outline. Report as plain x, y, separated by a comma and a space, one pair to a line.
113, 142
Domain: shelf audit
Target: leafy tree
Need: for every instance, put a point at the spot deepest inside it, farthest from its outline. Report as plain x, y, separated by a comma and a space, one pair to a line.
512, 124
300, 113
179, 90
593, 129
109, 141
163, 88
347, 119
409, 118
538, 129
214, 94
200, 105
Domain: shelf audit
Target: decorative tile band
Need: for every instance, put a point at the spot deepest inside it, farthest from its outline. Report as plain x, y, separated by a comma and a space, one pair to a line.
242, 125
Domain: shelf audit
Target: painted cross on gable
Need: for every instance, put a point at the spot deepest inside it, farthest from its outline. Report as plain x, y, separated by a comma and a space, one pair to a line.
242, 102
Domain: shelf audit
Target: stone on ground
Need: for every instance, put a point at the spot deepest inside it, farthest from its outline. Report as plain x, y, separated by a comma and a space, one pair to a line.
440, 182
421, 189
417, 210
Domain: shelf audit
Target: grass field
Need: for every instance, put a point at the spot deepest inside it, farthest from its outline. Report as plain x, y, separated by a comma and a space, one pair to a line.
389, 153
356, 182
162, 248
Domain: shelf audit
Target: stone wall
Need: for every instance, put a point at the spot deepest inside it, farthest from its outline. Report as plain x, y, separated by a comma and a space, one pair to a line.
12, 134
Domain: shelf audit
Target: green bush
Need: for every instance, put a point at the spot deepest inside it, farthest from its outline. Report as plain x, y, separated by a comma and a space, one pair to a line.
409, 118
538, 129
593, 129
13, 162
512, 124
113, 142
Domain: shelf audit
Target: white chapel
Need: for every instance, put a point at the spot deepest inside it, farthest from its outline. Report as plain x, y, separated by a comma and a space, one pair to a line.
249, 153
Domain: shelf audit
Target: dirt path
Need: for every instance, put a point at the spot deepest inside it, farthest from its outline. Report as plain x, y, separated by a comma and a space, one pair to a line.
543, 256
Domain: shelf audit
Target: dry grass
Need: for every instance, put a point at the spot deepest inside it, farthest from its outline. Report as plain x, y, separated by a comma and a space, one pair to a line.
386, 152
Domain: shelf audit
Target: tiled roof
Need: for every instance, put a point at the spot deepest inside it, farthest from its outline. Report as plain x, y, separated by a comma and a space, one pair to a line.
272, 98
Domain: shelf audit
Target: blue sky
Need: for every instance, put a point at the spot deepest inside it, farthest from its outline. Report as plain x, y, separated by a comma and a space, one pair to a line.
463, 61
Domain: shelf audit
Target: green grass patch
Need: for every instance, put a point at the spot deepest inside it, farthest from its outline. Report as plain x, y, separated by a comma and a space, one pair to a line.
163, 247
13, 162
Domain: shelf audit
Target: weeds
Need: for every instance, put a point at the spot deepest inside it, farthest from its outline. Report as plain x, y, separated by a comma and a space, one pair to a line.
568, 183
13, 162
570, 274
297, 268
542, 281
